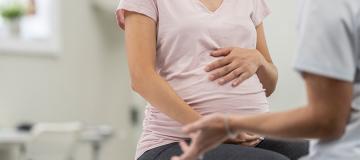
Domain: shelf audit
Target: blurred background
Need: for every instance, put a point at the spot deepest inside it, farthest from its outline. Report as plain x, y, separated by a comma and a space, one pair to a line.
64, 84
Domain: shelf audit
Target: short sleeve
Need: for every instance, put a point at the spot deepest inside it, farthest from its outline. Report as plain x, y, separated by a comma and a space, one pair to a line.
326, 45
260, 12
145, 7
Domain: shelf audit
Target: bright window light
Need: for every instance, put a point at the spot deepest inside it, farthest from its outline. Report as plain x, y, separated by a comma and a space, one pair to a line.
36, 22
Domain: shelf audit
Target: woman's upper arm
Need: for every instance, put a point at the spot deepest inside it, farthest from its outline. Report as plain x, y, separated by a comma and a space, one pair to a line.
261, 44
140, 39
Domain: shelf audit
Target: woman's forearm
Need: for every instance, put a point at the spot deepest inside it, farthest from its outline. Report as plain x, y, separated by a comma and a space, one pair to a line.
267, 71
268, 76
160, 94
140, 36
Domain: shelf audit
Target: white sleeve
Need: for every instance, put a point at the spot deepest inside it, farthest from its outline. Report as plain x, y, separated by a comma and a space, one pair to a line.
326, 46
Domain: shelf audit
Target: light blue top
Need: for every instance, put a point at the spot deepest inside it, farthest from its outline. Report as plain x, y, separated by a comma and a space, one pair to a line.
329, 33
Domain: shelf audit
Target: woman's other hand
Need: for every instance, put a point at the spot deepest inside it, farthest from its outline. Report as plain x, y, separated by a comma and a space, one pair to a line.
245, 139
236, 66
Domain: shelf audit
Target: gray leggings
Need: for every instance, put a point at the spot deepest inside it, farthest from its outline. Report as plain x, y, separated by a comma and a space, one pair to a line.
266, 150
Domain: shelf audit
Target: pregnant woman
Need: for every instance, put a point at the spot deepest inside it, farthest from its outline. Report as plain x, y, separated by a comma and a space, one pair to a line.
191, 58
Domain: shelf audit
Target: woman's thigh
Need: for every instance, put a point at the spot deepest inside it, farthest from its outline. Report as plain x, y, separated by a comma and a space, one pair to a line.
223, 152
291, 149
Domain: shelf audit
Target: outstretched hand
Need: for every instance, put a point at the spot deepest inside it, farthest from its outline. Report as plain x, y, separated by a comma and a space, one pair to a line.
206, 134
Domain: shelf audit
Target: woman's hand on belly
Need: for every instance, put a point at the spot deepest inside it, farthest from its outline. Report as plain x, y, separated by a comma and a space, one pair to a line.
238, 65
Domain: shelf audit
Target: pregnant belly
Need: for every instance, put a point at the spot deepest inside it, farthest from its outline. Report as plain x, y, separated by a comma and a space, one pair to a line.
206, 98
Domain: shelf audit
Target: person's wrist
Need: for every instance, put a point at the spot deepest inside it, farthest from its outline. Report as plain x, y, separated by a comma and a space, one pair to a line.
229, 127
232, 124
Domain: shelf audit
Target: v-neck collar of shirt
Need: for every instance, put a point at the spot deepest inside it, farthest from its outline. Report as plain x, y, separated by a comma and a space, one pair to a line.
208, 10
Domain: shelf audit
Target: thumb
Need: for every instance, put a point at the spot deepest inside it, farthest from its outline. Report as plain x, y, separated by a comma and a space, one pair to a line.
184, 147
221, 52
249, 137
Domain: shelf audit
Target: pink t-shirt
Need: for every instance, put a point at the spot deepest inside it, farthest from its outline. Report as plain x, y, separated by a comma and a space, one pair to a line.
186, 33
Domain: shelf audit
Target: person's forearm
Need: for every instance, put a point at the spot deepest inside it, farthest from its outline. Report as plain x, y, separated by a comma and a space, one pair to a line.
325, 116
160, 94
268, 76
299, 123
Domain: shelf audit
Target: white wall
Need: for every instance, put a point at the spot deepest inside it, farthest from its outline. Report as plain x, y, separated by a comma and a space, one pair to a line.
281, 36
87, 82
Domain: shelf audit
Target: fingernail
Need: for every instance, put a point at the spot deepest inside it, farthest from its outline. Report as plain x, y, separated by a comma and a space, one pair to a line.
211, 77
221, 81
207, 69
234, 84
